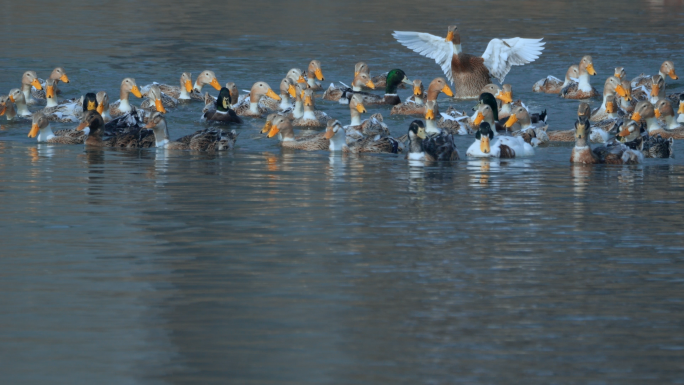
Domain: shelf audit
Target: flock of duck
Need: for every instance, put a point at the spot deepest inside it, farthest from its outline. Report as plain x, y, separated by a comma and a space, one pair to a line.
636, 118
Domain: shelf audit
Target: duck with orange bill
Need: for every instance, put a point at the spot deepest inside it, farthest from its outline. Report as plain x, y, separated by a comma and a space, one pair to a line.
222, 111
207, 140
582, 89
394, 78
29, 80
281, 126
609, 91
553, 85
470, 73
251, 107
673, 129
205, 78
357, 129
311, 117
314, 72
645, 111
667, 69
439, 144
437, 86
182, 92
288, 88
58, 75
634, 136
612, 153
423, 147
520, 124
680, 109
337, 136
343, 94
156, 100
134, 136
16, 96
624, 97
42, 131
7, 108
620, 73
65, 112
501, 147
123, 105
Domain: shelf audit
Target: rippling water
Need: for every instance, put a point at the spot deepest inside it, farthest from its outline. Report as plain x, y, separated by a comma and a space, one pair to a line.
265, 266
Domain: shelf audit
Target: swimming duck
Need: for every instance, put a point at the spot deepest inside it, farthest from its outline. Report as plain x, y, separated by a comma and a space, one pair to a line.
314, 72
252, 109
103, 105
487, 111
650, 146
41, 129
342, 94
657, 89
58, 112
553, 85
666, 69
620, 73
184, 91
454, 121
28, 80
133, 138
204, 140
16, 96
624, 96
438, 144
7, 108
358, 129
609, 89
337, 136
122, 106
470, 73
680, 111
311, 116
57, 75
583, 113
673, 129
417, 105
206, 77
395, 77
287, 90
282, 127
645, 110
504, 146
222, 111
613, 153
422, 148
520, 120
582, 89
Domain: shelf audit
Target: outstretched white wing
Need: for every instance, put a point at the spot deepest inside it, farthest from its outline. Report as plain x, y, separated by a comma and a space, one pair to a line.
431, 46
500, 54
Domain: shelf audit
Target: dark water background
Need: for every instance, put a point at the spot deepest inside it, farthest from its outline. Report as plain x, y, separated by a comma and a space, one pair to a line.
263, 266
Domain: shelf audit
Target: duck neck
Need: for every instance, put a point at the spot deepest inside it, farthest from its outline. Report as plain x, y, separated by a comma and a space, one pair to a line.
356, 88
416, 145
506, 108
298, 109
652, 124
11, 113
603, 105
582, 142
584, 84
310, 79
124, 105
45, 134
197, 87
309, 113
431, 127
253, 107
418, 99
457, 48
391, 88
661, 94
285, 101
680, 118
566, 82
355, 117
184, 95
161, 135
26, 90
339, 141
22, 109
51, 102
624, 103
671, 122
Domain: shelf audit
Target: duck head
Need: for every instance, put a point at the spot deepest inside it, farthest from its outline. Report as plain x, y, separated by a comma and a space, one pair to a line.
207, 77
505, 94
287, 87
59, 74
587, 65
308, 98
39, 122
611, 104
643, 110
260, 89
436, 86
668, 69
663, 108
93, 120
624, 90
269, 123
582, 127
488, 99
584, 111
630, 131
281, 125
186, 81
394, 78
484, 134
454, 37
431, 110
90, 102
51, 92
314, 70
296, 75
657, 84
362, 79
572, 75
128, 85
234, 93
224, 101
418, 89
620, 73
154, 94
333, 128
519, 115
30, 79
356, 104
102, 102
361, 68
610, 86
416, 131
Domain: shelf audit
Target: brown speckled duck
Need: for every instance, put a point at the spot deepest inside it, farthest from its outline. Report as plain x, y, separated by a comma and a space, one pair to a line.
612, 153
582, 89
467, 72
609, 89
28, 80
207, 140
666, 69
342, 94
673, 129
553, 85
436, 86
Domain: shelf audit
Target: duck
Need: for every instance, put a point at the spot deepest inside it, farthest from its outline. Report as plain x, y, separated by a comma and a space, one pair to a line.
644, 110
282, 126
207, 140
41, 130
337, 137
28, 80
609, 90
103, 105
287, 90
553, 85
666, 69
252, 108
65, 112
222, 111
505, 147
311, 117
136, 137
470, 73
358, 129
620, 73
680, 111
612, 153
657, 89
16, 96
342, 94
417, 106
611, 118
156, 100
505, 95
520, 123
314, 72
624, 96
439, 144
420, 150
673, 129
487, 111
296, 75
7, 108
184, 91
123, 106
632, 135
454, 121
58, 74
582, 89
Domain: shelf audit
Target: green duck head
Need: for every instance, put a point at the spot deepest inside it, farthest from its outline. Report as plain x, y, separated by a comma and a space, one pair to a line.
224, 101
489, 99
394, 78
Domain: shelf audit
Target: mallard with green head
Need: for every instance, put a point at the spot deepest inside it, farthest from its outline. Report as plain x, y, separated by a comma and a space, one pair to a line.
394, 78
223, 113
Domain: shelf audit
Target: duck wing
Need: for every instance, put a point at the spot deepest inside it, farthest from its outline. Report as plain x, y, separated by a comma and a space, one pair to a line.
431, 46
502, 54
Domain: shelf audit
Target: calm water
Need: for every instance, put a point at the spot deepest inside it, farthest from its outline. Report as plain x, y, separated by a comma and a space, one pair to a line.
264, 266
